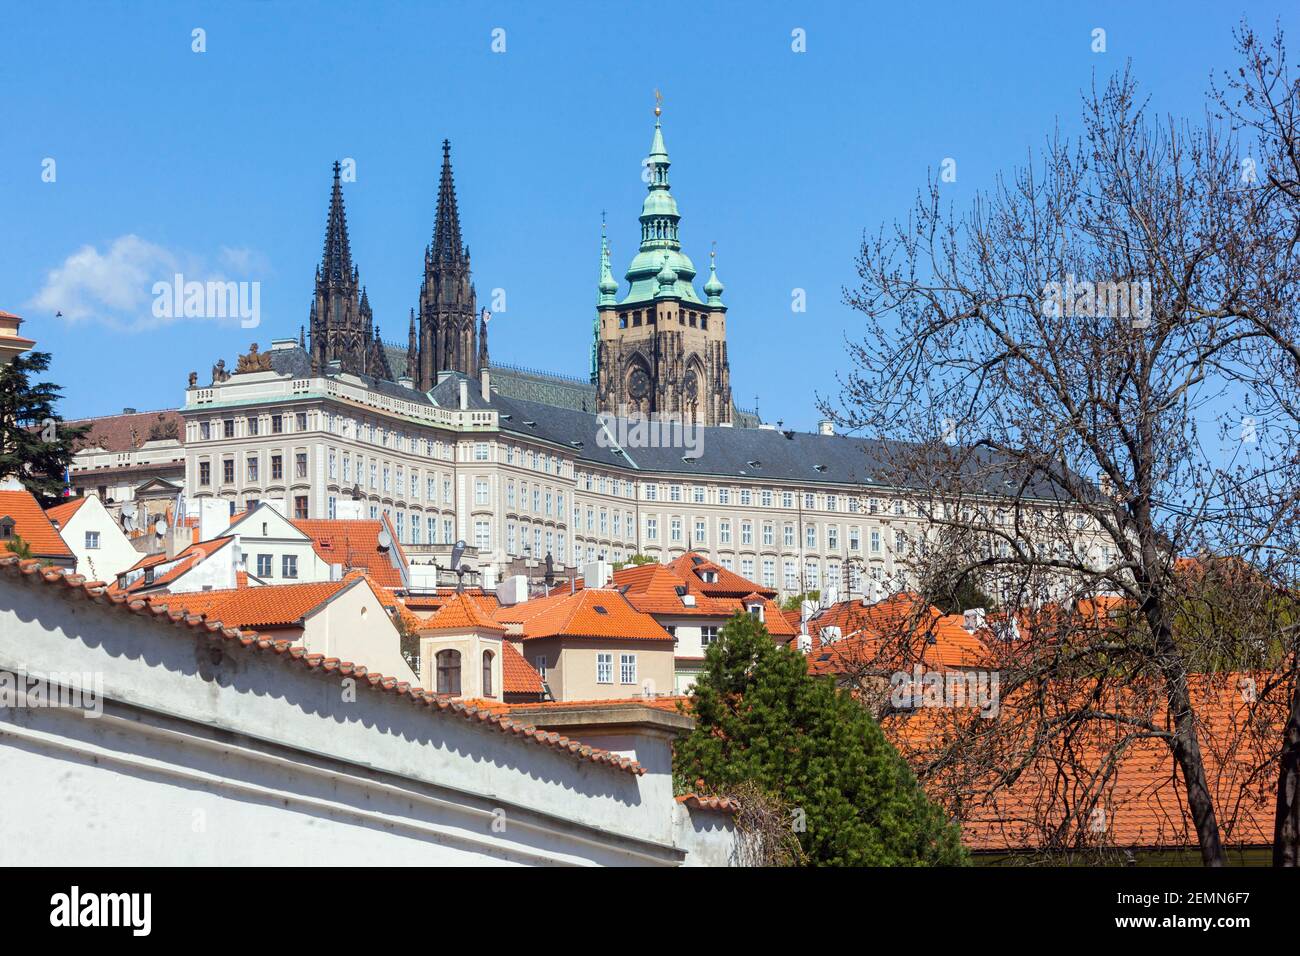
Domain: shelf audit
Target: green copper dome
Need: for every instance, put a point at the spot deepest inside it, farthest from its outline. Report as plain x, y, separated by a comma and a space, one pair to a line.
713, 288
667, 279
661, 250
608, 284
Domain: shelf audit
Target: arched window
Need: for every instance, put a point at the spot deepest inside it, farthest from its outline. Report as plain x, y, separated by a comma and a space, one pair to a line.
449, 673
487, 673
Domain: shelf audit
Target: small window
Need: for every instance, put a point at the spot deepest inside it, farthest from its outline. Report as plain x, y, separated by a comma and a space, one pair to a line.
604, 668
289, 564
92, 540
449, 673
627, 669
487, 673
264, 565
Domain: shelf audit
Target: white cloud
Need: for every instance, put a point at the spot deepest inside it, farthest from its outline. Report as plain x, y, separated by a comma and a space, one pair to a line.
115, 287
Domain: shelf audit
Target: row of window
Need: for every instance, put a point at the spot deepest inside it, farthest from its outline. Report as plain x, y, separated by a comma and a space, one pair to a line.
700, 538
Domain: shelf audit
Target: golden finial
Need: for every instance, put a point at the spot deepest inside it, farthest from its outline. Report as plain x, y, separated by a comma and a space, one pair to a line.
659, 103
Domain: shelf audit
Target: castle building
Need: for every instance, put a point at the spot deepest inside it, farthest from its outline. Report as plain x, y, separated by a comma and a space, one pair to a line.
662, 351
521, 465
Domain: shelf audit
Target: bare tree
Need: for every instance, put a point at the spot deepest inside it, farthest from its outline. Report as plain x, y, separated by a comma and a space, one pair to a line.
1062, 360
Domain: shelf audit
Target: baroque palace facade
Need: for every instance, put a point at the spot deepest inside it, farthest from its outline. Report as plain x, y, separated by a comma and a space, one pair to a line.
523, 465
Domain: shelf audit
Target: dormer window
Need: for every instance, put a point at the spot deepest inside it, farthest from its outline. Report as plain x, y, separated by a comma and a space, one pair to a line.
755, 611
709, 577
6, 527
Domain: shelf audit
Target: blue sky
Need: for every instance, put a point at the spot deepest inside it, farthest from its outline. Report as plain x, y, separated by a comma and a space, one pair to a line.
219, 162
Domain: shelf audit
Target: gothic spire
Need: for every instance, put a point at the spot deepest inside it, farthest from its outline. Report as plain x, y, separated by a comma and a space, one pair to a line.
336, 262
447, 246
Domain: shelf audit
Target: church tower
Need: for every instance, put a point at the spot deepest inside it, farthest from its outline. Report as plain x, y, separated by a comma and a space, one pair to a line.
445, 334
661, 350
341, 323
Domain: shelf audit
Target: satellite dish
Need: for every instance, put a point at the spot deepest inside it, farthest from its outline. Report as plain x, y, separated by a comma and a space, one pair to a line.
128, 521
128, 509
457, 552
160, 527
385, 539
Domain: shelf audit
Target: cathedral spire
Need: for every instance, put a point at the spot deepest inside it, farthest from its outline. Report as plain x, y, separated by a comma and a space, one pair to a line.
447, 246
336, 261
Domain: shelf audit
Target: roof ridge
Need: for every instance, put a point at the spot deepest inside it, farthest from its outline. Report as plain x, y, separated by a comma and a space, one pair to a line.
30, 569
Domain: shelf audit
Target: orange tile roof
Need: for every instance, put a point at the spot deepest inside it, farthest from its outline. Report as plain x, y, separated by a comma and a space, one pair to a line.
64, 512
271, 605
1143, 802
592, 612
691, 566
32, 525
654, 589
517, 675
354, 543
180, 564
890, 634
253, 642
460, 612
697, 802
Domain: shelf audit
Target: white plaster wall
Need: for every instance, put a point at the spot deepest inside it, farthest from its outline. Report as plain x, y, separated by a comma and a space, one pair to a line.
115, 553
287, 764
355, 627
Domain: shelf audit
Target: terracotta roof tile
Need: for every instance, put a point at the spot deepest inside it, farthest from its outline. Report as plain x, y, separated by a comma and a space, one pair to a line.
271, 605
32, 525
517, 675
128, 432
354, 543
460, 612
253, 642
591, 612
167, 570
1142, 804
63, 513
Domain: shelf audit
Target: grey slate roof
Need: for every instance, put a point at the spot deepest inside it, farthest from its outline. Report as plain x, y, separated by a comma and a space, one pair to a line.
752, 453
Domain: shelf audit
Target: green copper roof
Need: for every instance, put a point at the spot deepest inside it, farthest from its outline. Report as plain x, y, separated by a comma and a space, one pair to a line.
608, 284
661, 251
713, 287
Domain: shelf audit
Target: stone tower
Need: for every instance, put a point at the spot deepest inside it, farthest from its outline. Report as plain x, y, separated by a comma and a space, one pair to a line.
341, 323
444, 332
662, 351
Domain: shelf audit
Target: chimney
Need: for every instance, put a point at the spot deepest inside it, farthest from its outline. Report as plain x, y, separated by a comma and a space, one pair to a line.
406, 381
825, 427
597, 574
486, 386
513, 590
464, 394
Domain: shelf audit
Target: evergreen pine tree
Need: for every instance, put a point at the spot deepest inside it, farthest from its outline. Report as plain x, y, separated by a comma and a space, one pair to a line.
35, 445
762, 719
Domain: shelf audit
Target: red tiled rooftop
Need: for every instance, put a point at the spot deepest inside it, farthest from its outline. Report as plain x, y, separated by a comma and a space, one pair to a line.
253, 642
271, 605
354, 543
32, 525
591, 612
64, 512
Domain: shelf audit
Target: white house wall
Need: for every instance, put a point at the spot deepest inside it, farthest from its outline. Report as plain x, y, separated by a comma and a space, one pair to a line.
210, 752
